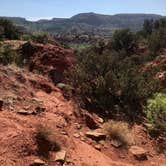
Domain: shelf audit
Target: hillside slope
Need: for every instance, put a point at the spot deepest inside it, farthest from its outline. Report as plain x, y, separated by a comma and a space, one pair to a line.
19, 118
91, 23
26, 106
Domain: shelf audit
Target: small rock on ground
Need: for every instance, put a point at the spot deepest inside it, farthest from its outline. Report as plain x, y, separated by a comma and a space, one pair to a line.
76, 135
38, 162
116, 143
25, 112
96, 135
98, 147
138, 152
60, 156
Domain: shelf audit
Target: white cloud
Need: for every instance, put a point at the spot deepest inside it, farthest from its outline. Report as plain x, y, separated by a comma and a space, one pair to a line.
38, 18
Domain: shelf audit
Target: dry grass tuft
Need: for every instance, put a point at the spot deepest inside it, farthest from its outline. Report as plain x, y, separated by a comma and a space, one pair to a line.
117, 130
47, 140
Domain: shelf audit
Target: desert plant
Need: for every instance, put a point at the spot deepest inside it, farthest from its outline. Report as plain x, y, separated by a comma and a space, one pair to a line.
124, 40
135, 86
26, 37
40, 38
88, 76
157, 41
156, 113
8, 30
7, 55
117, 130
148, 27
47, 140
103, 78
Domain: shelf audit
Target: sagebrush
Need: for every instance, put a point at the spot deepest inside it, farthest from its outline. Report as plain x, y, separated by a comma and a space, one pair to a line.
156, 112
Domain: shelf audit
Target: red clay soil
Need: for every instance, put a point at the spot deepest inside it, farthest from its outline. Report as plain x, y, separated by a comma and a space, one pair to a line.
22, 90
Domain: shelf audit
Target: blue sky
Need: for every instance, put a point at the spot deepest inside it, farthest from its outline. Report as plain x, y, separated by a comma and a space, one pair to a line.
36, 9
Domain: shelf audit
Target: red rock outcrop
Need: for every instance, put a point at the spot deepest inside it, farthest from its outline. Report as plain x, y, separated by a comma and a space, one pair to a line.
47, 59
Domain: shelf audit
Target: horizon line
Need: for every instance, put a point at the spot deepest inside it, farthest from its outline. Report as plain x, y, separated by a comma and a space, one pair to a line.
33, 19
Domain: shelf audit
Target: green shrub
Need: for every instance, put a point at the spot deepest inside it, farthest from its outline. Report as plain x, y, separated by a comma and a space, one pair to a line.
8, 30
157, 41
156, 112
40, 38
104, 78
148, 27
26, 37
124, 40
155, 34
7, 55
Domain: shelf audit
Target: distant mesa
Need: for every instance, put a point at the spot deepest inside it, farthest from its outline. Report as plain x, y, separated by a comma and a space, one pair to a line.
85, 23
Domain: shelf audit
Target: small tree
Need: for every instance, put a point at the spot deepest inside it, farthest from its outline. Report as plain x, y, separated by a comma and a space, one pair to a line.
8, 30
157, 41
124, 40
148, 27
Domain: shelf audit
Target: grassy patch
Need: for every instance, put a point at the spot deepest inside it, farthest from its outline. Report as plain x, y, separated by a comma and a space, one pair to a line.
47, 140
117, 130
